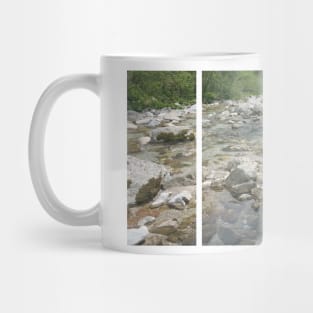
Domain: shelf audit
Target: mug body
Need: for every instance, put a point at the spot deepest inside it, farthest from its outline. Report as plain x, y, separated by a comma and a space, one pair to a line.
181, 152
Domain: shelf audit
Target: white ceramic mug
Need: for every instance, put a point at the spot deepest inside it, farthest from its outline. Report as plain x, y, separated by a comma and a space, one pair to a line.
181, 152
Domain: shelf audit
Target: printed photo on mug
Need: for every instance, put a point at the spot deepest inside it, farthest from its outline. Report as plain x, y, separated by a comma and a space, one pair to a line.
161, 157
231, 157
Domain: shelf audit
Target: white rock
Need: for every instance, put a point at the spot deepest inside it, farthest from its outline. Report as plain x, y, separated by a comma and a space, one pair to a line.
160, 199
144, 140
145, 220
136, 235
180, 200
244, 196
143, 121
249, 167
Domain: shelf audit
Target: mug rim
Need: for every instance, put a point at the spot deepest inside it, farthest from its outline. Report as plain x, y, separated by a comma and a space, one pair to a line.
187, 56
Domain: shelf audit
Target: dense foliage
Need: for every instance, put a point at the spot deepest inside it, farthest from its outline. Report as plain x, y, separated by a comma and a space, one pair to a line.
158, 89
235, 85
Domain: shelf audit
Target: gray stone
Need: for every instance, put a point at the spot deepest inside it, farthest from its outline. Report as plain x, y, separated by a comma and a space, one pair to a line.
136, 236
242, 188
133, 115
237, 176
140, 173
149, 114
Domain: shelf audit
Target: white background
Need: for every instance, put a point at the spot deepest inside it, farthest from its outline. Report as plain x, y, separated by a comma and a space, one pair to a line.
49, 267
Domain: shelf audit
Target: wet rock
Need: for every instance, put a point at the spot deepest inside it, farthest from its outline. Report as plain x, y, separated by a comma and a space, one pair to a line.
242, 188
146, 179
146, 220
172, 134
160, 199
136, 236
237, 176
180, 200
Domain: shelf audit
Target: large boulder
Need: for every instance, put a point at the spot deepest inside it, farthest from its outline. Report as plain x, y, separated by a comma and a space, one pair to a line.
144, 180
172, 134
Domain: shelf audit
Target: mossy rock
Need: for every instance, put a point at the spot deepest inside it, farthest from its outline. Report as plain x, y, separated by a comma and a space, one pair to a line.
169, 137
133, 146
148, 191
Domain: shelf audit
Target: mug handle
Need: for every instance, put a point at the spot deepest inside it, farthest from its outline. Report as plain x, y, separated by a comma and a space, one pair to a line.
45, 194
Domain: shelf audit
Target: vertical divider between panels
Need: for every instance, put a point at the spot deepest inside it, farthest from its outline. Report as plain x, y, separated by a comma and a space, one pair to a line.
199, 157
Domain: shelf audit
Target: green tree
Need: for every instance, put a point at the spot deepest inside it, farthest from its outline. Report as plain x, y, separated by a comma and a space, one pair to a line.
158, 89
225, 85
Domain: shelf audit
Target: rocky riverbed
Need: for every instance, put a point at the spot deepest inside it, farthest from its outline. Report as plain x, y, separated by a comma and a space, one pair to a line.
232, 172
162, 175
161, 180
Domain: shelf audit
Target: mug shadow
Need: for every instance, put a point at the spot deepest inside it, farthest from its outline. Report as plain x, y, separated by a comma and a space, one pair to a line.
67, 238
